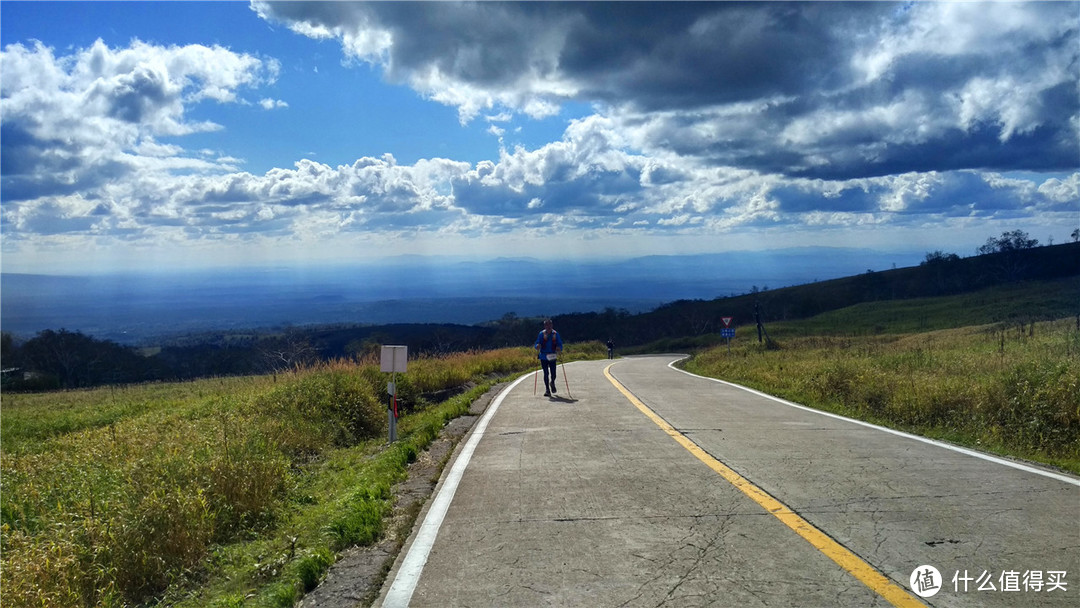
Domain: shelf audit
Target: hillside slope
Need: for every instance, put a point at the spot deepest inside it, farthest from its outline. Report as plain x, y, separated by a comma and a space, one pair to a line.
1024, 285
1042, 283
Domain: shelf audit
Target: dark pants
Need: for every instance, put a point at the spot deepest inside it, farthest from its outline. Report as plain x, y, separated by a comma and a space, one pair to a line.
546, 365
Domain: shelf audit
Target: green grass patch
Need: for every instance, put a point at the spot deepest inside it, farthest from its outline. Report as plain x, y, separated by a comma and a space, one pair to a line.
224, 492
32, 418
1011, 304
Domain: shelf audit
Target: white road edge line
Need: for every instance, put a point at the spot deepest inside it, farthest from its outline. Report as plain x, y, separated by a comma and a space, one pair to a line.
401, 591
940, 444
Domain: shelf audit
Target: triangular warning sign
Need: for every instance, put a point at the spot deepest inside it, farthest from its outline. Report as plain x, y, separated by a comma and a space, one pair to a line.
727, 321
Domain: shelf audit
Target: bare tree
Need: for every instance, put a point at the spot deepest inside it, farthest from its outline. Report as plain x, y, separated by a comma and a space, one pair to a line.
289, 351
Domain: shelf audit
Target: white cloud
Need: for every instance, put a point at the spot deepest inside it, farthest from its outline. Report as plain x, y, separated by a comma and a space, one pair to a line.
1066, 191
875, 117
863, 88
271, 104
78, 121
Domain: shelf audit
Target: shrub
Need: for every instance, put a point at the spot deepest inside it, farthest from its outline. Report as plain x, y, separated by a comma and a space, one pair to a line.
334, 407
1038, 405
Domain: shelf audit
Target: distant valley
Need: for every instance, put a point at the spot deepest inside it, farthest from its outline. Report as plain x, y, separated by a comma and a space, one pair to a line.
136, 308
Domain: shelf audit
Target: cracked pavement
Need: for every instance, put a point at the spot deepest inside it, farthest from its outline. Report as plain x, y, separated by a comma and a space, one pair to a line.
589, 503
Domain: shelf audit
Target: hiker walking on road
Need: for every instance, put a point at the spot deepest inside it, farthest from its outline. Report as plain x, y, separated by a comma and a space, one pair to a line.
548, 346
610, 348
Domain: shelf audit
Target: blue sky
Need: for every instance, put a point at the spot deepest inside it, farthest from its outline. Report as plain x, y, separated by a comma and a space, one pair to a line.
139, 135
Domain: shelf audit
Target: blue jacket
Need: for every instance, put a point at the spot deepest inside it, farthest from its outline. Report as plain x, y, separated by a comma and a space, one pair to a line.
550, 345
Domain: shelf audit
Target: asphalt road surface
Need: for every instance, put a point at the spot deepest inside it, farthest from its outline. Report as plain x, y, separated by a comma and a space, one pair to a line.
643, 485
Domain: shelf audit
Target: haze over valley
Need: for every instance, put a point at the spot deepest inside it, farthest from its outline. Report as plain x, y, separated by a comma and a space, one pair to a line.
135, 307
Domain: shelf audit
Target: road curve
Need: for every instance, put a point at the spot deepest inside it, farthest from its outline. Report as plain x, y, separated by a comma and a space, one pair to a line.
642, 485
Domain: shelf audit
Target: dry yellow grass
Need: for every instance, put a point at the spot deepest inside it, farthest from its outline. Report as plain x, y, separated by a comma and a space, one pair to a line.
115, 496
1010, 389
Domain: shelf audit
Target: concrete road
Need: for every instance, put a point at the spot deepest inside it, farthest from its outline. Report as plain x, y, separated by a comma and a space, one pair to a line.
676, 490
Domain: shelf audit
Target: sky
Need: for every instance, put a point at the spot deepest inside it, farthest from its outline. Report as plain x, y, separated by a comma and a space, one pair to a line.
157, 135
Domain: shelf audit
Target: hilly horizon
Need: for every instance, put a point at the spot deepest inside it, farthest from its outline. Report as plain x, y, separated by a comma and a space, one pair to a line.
1007, 286
134, 307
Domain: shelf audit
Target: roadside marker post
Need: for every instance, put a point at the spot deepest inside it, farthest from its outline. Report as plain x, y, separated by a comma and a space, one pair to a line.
393, 359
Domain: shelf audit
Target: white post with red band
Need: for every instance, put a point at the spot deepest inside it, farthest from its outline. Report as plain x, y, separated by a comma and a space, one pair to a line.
393, 359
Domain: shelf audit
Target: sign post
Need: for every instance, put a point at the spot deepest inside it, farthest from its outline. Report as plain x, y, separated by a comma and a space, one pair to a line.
728, 332
393, 359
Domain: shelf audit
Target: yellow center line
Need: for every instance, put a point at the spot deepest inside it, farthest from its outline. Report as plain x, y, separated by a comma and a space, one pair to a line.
853, 564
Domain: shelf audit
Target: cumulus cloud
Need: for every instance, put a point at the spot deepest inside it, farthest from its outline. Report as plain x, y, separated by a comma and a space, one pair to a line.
311, 200
75, 122
708, 118
831, 90
1063, 193
589, 179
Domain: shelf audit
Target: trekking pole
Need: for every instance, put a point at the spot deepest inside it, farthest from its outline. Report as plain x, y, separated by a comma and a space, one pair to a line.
568, 393
535, 374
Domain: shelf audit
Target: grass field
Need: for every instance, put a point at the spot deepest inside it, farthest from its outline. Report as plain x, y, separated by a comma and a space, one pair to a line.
1010, 386
222, 492
1006, 305
242, 491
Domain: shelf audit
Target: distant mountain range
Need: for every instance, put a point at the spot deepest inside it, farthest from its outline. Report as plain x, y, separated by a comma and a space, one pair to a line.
135, 307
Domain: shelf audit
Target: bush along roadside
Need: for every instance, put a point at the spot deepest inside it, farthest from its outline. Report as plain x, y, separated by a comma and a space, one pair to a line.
347, 502
234, 499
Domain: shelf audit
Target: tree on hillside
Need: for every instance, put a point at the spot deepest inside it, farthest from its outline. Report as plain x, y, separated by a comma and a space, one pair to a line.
1009, 263
442, 341
1075, 235
1009, 241
7, 350
939, 257
698, 319
76, 360
939, 271
512, 330
289, 351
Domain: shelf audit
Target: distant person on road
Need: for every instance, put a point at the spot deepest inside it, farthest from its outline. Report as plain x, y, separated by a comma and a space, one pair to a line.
548, 346
610, 349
